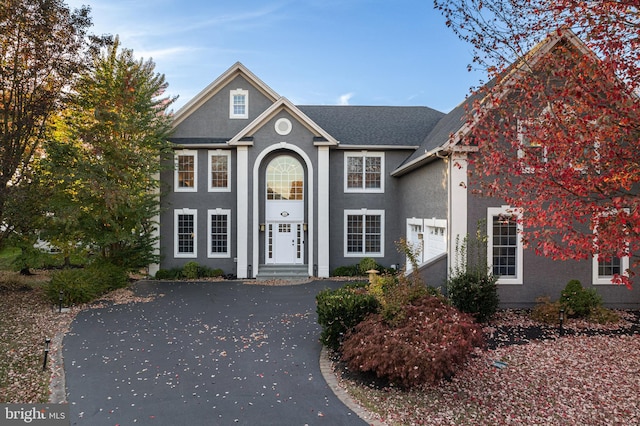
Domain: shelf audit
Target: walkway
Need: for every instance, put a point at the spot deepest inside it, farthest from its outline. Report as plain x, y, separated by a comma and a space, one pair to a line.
215, 353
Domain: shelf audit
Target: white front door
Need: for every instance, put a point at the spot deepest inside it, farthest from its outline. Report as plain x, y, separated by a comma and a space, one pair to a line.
285, 243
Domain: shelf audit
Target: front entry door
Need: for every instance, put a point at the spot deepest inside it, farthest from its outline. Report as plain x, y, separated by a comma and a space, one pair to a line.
285, 243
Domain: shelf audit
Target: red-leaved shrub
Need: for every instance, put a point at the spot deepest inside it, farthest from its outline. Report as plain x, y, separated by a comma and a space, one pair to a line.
429, 344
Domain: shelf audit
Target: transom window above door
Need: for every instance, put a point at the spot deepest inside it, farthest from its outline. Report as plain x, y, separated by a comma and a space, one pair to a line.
285, 179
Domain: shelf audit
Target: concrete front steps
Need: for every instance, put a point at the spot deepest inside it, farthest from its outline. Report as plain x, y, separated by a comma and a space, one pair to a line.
283, 272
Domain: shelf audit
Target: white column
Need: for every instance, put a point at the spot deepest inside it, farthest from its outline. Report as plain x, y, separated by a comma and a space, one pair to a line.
323, 211
458, 165
155, 267
242, 221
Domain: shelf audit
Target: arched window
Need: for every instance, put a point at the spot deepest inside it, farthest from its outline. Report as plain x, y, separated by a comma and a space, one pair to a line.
285, 179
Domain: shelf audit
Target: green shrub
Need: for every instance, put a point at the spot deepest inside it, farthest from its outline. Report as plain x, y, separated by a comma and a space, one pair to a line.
578, 301
191, 270
367, 264
346, 271
476, 294
169, 274
87, 284
342, 309
393, 292
428, 345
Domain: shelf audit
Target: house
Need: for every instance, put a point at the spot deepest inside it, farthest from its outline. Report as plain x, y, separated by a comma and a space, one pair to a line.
260, 186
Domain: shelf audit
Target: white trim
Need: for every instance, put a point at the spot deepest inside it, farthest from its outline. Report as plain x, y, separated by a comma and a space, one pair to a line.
309, 243
604, 279
239, 92
219, 212
176, 213
323, 211
153, 268
242, 219
457, 208
219, 153
364, 212
624, 260
283, 131
185, 152
505, 210
363, 155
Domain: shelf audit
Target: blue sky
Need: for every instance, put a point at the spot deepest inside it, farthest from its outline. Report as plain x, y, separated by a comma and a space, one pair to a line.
314, 52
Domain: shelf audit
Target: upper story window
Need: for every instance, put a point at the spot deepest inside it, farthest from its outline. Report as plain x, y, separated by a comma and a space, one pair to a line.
219, 171
285, 179
239, 104
364, 172
186, 171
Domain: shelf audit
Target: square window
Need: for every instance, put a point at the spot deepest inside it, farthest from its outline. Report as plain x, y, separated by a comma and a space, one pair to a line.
364, 233
364, 172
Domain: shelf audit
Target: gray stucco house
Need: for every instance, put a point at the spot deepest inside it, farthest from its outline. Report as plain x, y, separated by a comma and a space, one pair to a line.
260, 184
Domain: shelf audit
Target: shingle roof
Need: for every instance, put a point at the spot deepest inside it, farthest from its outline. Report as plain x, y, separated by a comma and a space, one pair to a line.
374, 125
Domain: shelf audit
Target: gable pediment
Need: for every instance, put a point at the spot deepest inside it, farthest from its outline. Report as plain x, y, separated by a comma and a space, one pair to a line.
235, 71
321, 136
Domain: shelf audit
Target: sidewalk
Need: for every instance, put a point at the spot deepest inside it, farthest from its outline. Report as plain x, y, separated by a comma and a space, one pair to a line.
213, 353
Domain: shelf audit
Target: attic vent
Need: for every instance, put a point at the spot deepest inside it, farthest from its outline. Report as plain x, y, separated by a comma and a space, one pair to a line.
283, 126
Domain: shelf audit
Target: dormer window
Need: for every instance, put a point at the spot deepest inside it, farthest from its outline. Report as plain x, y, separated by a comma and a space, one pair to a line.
239, 104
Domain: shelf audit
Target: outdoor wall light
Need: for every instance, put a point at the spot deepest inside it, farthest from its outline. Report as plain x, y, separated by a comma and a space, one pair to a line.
262, 227
304, 227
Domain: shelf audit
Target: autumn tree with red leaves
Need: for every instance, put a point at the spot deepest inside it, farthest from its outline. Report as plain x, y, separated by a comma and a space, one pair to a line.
558, 125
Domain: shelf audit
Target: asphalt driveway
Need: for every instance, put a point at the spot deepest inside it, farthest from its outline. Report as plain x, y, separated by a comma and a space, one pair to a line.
213, 353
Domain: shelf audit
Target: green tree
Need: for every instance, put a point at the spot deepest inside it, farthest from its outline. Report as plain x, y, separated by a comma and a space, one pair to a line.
42, 49
105, 159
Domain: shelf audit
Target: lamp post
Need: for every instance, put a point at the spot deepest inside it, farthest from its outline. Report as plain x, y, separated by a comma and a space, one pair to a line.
561, 320
46, 353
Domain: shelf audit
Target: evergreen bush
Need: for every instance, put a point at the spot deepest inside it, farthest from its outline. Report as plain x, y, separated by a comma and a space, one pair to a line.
83, 285
578, 301
342, 309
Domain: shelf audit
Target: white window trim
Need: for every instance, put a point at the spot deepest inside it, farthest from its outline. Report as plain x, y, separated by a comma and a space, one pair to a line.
363, 212
219, 152
364, 154
505, 210
607, 280
176, 186
218, 211
524, 146
176, 213
233, 93
604, 279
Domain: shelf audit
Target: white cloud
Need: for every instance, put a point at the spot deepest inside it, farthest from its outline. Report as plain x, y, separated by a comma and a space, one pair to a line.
344, 99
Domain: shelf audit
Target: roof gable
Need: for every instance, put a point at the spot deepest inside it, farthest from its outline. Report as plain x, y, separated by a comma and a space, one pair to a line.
453, 128
219, 83
280, 105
